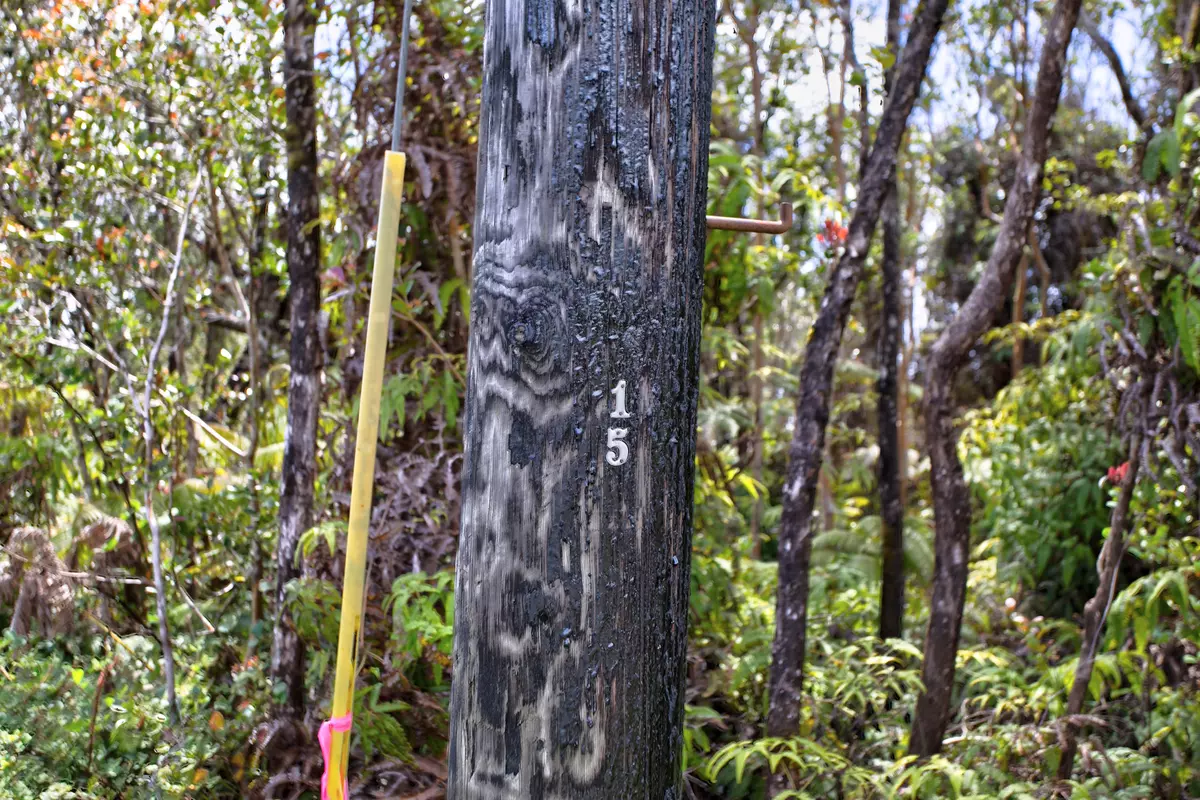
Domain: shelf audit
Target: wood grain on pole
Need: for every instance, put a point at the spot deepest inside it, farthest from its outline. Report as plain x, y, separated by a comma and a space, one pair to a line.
572, 585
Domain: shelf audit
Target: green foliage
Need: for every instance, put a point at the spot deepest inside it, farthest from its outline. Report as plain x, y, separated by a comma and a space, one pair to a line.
322, 533
853, 551
1035, 458
91, 720
696, 739
26, 462
1164, 150
422, 608
430, 387
378, 731
824, 771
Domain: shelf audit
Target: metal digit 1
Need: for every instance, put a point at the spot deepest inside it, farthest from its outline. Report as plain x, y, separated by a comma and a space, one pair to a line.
618, 450
618, 393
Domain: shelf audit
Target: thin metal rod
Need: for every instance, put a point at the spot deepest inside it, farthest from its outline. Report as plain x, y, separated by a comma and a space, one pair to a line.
753, 225
401, 74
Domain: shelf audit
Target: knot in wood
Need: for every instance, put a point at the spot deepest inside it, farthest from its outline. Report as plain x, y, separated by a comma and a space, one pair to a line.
536, 331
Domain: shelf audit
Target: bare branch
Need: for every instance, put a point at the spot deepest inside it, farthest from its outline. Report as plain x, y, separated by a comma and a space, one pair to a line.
148, 433
1089, 26
211, 431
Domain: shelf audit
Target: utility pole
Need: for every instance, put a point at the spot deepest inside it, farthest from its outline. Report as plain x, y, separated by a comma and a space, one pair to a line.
571, 607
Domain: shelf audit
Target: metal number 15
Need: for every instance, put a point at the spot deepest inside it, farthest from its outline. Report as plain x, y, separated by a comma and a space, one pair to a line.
618, 450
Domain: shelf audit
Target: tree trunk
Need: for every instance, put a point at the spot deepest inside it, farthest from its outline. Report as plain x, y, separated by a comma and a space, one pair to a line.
1020, 57
1095, 613
816, 383
258, 246
891, 595
914, 215
951, 500
572, 587
304, 390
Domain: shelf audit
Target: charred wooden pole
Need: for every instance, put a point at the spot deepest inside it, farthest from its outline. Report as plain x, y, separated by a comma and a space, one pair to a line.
572, 587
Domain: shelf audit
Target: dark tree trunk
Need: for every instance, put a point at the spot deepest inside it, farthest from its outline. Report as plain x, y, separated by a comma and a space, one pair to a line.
816, 381
572, 587
304, 391
1095, 613
951, 500
891, 595
258, 246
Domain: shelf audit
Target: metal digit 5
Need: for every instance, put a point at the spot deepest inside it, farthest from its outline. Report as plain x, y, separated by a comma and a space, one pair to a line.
618, 450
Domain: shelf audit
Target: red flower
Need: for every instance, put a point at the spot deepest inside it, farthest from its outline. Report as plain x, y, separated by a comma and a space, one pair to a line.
1117, 475
834, 233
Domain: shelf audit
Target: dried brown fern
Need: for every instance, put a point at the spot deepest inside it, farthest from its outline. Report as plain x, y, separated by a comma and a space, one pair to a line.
33, 579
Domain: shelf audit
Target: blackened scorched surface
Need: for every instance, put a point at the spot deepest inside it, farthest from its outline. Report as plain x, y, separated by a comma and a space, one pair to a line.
572, 588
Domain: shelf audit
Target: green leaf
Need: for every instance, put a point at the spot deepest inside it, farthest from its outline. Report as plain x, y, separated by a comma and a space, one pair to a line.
1171, 155
1141, 632
1175, 582
884, 56
1187, 324
702, 713
1053, 757
1181, 111
1152, 163
450, 398
739, 762
428, 401
1145, 329
445, 291
464, 301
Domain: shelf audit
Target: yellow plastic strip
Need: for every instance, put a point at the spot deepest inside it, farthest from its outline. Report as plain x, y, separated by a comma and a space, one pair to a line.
364, 461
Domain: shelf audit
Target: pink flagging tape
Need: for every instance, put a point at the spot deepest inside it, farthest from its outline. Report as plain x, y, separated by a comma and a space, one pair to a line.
325, 738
